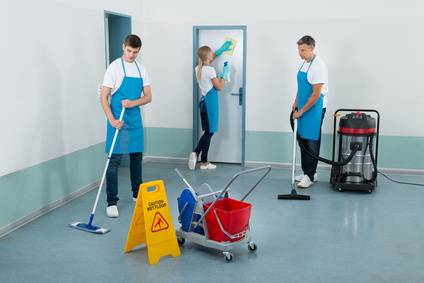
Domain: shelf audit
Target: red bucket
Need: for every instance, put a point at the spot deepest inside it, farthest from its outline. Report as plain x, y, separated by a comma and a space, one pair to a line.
234, 216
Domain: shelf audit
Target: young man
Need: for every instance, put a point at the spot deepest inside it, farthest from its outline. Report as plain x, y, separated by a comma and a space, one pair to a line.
126, 84
309, 107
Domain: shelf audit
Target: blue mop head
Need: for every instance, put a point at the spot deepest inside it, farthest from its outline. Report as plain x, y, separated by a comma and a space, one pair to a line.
89, 228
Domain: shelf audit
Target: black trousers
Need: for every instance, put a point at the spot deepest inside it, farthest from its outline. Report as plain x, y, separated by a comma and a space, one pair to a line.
309, 164
205, 141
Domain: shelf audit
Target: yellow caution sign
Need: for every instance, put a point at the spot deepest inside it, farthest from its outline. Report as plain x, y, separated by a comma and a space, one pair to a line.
151, 223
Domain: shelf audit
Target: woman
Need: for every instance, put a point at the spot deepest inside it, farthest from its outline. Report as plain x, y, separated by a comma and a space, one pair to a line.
209, 85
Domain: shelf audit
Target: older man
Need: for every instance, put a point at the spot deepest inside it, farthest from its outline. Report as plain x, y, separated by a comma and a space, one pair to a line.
309, 107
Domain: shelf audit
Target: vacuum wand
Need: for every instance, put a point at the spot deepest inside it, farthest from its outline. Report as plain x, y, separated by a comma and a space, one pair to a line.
293, 194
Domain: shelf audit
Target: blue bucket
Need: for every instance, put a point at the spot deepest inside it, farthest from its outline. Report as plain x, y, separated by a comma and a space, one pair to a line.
186, 205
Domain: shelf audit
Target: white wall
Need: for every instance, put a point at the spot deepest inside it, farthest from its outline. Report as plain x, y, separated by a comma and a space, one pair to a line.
53, 58
372, 49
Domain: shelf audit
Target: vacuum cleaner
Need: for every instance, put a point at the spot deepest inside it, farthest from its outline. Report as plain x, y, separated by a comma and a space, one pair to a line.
360, 129
355, 166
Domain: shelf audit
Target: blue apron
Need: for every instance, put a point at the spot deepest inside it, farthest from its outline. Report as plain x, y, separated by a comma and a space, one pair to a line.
309, 124
211, 100
130, 138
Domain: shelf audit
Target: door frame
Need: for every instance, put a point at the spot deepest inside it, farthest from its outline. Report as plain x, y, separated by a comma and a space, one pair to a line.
196, 93
106, 26
125, 162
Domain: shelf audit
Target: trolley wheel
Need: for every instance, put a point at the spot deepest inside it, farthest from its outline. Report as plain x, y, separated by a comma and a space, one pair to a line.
228, 256
369, 191
181, 241
252, 246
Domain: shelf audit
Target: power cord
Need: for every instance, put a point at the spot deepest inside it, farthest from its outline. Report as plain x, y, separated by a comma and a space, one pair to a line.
399, 182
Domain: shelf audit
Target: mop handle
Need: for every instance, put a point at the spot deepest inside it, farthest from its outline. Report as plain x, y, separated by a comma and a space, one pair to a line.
186, 182
107, 162
294, 151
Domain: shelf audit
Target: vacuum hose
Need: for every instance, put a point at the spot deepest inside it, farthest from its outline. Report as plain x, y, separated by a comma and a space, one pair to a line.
355, 149
374, 164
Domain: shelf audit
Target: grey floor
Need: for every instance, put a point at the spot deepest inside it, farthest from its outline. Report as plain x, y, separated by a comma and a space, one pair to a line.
335, 237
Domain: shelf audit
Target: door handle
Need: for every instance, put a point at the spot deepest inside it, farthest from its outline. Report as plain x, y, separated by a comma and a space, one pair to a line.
240, 95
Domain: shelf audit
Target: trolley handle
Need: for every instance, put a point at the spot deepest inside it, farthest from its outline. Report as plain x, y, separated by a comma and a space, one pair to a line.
186, 182
267, 170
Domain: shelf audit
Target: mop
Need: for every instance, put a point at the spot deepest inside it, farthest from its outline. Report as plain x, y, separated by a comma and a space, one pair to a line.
293, 194
89, 227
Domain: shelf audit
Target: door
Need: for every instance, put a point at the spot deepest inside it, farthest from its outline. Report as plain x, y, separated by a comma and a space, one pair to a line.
117, 27
228, 144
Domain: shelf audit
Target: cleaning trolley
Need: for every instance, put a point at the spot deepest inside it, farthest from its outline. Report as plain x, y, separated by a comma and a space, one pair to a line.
212, 219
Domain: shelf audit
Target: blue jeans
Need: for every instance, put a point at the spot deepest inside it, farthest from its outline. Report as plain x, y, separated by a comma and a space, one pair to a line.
112, 176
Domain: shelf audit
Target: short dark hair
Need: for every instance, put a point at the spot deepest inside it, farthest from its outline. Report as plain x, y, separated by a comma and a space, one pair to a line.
308, 40
133, 41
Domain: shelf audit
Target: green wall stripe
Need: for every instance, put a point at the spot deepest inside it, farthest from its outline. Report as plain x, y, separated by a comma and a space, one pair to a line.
28, 190
169, 142
395, 151
277, 146
401, 152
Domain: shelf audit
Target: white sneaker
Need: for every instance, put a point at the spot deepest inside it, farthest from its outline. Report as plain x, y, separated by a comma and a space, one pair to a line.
208, 166
134, 199
299, 178
305, 182
192, 160
112, 211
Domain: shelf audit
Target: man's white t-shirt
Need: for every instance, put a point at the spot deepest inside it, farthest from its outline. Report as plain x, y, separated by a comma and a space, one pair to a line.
115, 74
205, 84
317, 74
